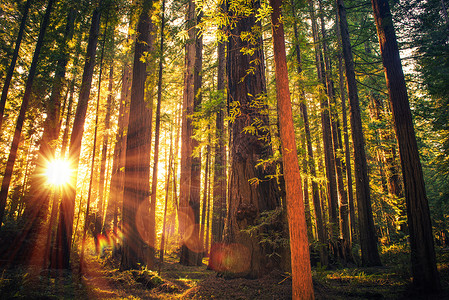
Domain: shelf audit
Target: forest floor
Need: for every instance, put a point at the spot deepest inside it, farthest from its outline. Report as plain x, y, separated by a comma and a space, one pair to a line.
101, 279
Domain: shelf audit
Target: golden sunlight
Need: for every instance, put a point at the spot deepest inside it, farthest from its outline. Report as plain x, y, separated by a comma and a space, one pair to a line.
58, 172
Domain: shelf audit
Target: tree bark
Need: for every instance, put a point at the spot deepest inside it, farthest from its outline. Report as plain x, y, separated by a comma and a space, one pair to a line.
301, 271
246, 101
424, 270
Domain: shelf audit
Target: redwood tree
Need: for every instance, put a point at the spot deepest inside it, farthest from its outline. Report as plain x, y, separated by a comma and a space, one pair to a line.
424, 270
301, 271
137, 167
250, 142
368, 239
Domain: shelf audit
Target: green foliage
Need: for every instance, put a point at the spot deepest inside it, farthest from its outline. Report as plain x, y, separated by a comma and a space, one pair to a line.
269, 230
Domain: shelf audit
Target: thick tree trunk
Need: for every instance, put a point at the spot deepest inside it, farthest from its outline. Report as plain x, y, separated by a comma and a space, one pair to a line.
424, 270
7, 175
368, 239
12, 65
67, 207
301, 270
137, 167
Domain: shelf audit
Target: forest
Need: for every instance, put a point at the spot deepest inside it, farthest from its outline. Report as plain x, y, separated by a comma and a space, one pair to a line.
224, 149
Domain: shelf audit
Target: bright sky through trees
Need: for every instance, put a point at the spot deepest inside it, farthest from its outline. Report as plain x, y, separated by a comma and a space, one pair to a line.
58, 172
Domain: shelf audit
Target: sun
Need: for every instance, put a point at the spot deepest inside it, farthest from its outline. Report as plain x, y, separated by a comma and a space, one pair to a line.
58, 172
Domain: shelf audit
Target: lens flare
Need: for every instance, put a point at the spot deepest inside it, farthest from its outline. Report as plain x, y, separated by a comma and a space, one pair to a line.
58, 172
234, 258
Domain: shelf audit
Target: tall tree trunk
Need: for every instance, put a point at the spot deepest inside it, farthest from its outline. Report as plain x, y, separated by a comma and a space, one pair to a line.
99, 217
310, 159
195, 188
167, 188
219, 186
137, 167
301, 271
190, 169
96, 217
424, 270
329, 158
7, 175
12, 65
368, 239
67, 207
119, 156
152, 241
220, 180
205, 193
94, 152
328, 136
246, 101
347, 165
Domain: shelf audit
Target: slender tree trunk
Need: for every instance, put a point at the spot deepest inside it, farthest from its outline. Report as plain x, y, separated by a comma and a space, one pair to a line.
195, 188
368, 239
219, 185
167, 189
97, 214
326, 128
301, 271
327, 125
117, 177
137, 167
205, 193
424, 270
152, 242
99, 218
208, 217
12, 65
71, 91
190, 168
67, 207
310, 159
7, 175
347, 165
